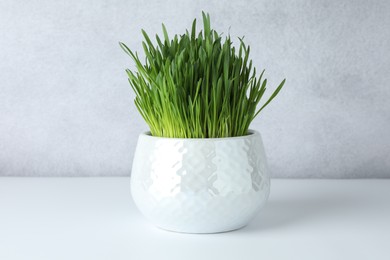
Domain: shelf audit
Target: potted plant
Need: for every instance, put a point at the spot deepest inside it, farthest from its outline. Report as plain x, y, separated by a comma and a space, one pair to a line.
199, 169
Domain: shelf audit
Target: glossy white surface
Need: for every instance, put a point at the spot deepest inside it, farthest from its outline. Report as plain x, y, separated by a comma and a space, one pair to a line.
94, 218
200, 185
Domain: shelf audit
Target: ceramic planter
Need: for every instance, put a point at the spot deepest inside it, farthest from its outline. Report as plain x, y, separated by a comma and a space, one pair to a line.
200, 185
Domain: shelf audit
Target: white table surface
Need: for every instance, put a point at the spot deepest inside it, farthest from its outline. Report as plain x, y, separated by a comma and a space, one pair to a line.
95, 218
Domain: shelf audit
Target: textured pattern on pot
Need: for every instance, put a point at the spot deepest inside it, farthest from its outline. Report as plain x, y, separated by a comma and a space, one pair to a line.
200, 185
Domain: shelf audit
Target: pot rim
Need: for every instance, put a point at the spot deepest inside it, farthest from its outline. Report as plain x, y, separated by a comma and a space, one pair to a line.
251, 134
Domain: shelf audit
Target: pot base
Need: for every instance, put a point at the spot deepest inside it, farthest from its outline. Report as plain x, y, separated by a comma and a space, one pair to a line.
205, 232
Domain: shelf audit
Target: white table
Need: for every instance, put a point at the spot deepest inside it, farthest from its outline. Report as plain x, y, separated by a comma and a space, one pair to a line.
95, 218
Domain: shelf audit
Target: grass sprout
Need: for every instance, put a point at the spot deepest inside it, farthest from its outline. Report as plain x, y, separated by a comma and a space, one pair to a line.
197, 85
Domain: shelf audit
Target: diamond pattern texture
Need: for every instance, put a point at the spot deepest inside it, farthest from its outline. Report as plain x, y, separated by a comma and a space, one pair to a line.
200, 185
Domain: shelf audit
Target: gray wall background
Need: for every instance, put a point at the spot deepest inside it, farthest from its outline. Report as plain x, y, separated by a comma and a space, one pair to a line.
66, 108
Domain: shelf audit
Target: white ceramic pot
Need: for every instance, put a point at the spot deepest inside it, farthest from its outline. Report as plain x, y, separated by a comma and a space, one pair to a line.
200, 185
